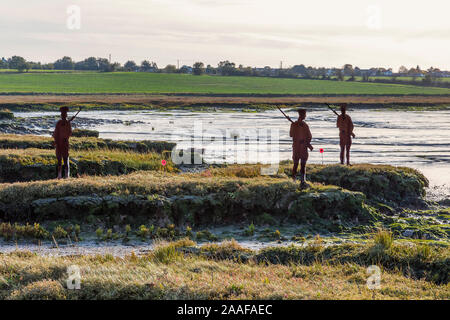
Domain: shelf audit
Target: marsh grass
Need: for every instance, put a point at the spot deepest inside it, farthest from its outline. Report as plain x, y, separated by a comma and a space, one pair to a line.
37, 164
6, 114
13, 141
383, 238
166, 254
84, 133
17, 231
169, 273
184, 194
382, 182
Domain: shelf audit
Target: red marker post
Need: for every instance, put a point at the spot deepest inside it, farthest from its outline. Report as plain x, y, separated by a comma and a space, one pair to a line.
321, 152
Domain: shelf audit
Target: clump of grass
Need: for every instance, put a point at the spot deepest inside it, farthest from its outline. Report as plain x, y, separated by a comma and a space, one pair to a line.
16, 231
424, 251
109, 234
316, 244
99, 233
85, 133
166, 253
383, 239
183, 243
59, 233
250, 231
189, 234
143, 232
230, 250
206, 235
276, 234
127, 230
6, 114
298, 238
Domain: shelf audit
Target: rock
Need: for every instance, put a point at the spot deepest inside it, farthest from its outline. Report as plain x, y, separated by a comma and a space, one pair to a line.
408, 233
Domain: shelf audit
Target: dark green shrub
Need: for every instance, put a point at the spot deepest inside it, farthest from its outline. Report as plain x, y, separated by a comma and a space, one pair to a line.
85, 133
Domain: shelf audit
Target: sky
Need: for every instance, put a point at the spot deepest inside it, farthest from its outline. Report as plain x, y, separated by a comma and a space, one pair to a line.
364, 33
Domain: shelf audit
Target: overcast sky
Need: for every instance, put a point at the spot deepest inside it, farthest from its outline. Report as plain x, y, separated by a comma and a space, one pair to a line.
364, 33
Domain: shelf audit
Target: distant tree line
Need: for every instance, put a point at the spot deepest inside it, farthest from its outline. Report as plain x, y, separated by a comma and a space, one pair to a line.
431, 76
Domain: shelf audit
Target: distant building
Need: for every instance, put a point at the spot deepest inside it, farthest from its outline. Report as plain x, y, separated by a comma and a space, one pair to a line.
369, 72
186, 69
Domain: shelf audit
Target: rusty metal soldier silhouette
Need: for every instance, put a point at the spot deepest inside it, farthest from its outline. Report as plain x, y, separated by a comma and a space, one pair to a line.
301, 142
61, 135
345, 124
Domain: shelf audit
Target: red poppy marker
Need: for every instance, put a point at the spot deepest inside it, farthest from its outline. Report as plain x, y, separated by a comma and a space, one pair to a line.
321, 150
163, 162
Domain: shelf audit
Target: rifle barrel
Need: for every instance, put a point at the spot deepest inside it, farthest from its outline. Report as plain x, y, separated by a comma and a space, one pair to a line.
71, 119
284, 114
332, 109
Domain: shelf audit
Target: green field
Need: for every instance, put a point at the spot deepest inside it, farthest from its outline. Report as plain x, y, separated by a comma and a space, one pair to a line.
44, 71
123, 82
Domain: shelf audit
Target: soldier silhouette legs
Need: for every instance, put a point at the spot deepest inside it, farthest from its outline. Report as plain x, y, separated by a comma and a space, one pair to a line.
345, 150
345, 143
302, 169
60, 166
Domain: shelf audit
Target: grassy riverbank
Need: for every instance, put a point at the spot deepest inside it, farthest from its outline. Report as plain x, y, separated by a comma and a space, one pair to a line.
36, 164
169, 205
181, 271
378, 182
13, 141
182, 199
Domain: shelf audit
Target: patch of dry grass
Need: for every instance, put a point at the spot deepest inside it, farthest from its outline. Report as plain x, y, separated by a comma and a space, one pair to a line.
26, 276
